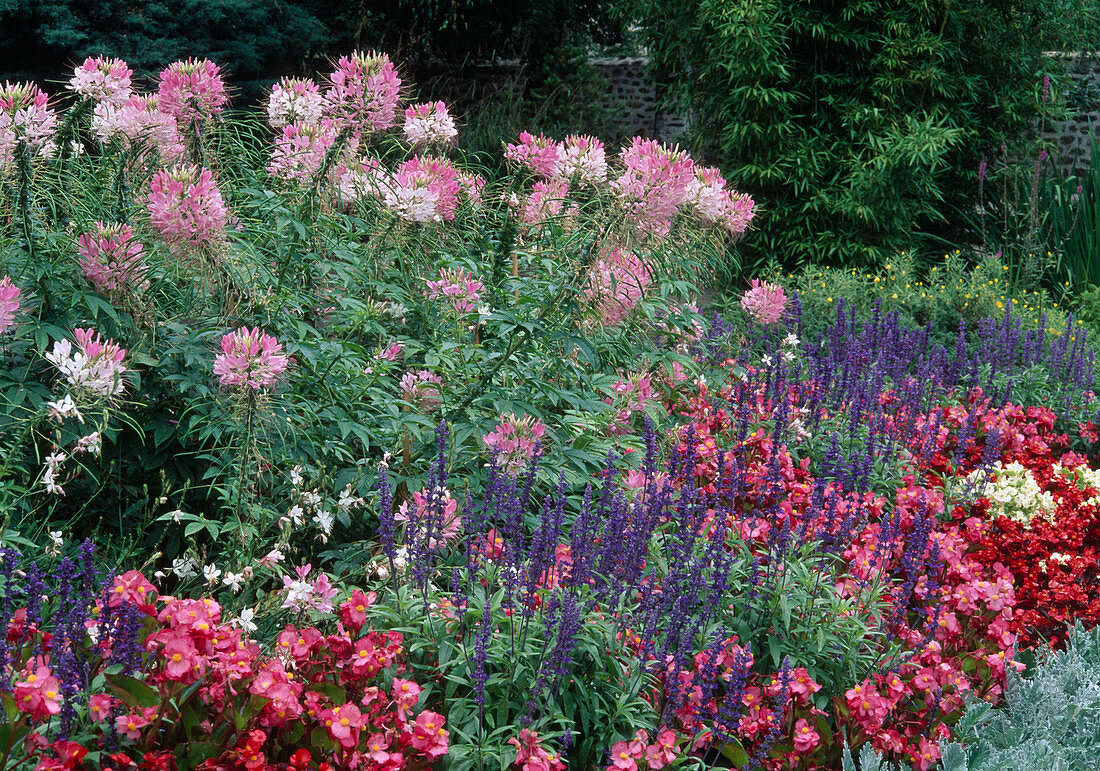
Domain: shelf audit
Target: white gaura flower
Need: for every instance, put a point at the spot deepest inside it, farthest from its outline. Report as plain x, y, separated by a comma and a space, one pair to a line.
211, 573
233, 580
244, 621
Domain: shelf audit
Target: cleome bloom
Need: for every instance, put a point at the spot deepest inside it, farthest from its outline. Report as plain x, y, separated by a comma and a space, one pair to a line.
294, 100
250, 358
9, 303
429, 124
96, 367
26, 119
616, 283
459, 285
111, 259
300, 150
192, 90
764, 302
363, 93
104, 80
514, 440
421, 390
185, 205
423, 190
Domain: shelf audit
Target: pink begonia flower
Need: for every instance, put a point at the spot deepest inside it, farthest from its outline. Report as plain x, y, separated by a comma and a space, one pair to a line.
294, 100
130, 725
530, 756
805, 737
514, 441
96, 367
250, 357
38, 694
300, 150
423, 190
764, 302
192, 91
103, 80
185, 205
9, 303
429, 735
26, 119
363, 93
421, 390
429, 124
616, 282
344, 724
111, 259
459, 285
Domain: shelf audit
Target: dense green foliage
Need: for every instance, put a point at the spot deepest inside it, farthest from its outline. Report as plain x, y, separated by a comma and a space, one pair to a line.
260, 41
860, 123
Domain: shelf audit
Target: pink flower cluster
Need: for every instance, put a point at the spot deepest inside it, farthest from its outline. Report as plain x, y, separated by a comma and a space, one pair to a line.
38, 694
432, 517
579, 158
764, 302
655, 183
626, 755
616, 283
136, 120
718, 205
363, 93
9, 303
514, 440
27, 119
250, 358
96, 367
429, 124
103, 80
303, 595
545, 202
111, 259
186, 206
294, 100
530, 756
421, 390
423, 190
631, 395
192, 91
300, 150
458, 285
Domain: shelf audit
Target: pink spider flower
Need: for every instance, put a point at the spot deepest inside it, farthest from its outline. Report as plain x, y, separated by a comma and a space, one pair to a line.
27, 119
429, 124
302, 594
111, 259
423, 190
300, 150
192, 90
514, 440
541, 155
583, 159
185, 205
103, 80
421, 390
363, 92
138, 120
655, 183
294, 100
764, 302
459, 286
360, 178
545, 202
96, 367
9, 303
433, 514
250, 358
718, 205
616, 283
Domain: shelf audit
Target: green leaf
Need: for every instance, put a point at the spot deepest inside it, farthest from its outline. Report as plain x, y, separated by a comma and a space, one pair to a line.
133, 691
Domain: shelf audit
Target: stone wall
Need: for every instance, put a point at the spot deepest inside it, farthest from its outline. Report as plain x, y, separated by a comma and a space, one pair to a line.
1073, 138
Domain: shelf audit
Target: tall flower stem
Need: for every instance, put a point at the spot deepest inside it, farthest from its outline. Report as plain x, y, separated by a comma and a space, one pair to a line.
246, 454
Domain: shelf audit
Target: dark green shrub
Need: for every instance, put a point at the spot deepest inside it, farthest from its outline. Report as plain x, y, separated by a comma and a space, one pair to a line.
857, 123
